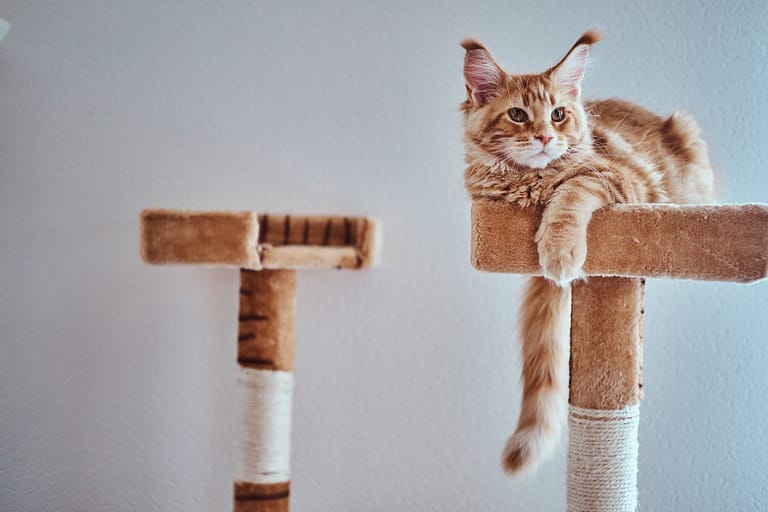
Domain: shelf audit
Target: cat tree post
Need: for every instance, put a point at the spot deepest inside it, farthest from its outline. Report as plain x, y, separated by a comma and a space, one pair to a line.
606, 365
267, 249
625, 243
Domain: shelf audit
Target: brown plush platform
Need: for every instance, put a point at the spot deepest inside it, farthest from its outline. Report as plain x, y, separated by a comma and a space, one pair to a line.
257, 241
713, 243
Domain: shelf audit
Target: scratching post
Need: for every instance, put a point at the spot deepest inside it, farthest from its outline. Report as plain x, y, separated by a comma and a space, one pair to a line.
606, 388
267, 249
625, 243
265, 348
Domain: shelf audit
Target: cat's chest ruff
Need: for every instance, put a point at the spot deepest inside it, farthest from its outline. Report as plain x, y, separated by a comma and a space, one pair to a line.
523, 187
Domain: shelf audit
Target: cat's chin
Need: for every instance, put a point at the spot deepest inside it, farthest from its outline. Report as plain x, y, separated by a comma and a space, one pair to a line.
538, 161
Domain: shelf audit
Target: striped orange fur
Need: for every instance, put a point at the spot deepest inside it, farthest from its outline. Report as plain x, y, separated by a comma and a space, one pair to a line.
530, 139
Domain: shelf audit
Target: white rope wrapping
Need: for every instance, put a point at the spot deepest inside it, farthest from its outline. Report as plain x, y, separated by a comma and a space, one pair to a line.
263, 437
602, 459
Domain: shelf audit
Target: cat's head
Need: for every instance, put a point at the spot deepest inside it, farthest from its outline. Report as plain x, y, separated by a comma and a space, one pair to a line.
524, 121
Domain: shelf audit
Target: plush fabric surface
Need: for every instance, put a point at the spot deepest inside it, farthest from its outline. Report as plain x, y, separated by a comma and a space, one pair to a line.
248, 240
715, 243
262, 497
175, 237
606, 343
266, 328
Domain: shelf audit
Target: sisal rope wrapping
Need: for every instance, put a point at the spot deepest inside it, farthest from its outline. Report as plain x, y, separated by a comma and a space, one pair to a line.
602, 459
263, 437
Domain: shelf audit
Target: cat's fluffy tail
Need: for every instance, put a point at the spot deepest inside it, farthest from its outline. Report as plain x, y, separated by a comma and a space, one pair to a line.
545, 326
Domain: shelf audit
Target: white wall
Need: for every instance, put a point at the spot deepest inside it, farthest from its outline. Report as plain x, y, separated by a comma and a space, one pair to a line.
116, 378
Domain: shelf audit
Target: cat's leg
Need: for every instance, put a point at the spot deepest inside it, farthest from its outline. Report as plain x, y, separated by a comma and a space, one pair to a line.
562, 234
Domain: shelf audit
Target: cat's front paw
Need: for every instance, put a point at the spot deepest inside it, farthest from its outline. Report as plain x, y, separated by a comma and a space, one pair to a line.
561, 254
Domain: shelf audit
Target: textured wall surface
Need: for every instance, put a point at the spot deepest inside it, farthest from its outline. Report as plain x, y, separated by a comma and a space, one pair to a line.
116, 379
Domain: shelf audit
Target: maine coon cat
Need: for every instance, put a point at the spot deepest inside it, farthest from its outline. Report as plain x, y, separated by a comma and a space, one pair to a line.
530, 139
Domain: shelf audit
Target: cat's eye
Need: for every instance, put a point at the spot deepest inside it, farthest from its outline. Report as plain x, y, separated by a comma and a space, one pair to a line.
518, 115
558, 114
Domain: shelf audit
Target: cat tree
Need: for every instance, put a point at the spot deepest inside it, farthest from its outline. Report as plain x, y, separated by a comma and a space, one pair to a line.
267, 249
626, 243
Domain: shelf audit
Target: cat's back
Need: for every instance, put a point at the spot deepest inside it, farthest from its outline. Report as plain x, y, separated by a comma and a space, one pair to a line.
666, 151
612, 119
616, 112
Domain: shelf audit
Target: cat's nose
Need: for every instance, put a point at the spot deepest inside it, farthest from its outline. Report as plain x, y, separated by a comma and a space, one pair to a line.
544, 139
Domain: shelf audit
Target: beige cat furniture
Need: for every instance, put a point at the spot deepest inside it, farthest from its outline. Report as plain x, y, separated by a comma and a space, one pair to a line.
267, 249
625, 244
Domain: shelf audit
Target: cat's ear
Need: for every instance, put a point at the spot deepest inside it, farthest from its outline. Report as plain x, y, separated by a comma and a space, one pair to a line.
569, 72
482, 75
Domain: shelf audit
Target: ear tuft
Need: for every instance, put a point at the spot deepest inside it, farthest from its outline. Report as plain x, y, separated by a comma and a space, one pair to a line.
481, 73
472, 44
569, 72
590, 37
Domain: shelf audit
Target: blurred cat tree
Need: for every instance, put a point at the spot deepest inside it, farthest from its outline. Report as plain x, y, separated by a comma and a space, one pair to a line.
267, 249
626, 243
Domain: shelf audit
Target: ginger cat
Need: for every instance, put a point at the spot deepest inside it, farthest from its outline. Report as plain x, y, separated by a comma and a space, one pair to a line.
530, 139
